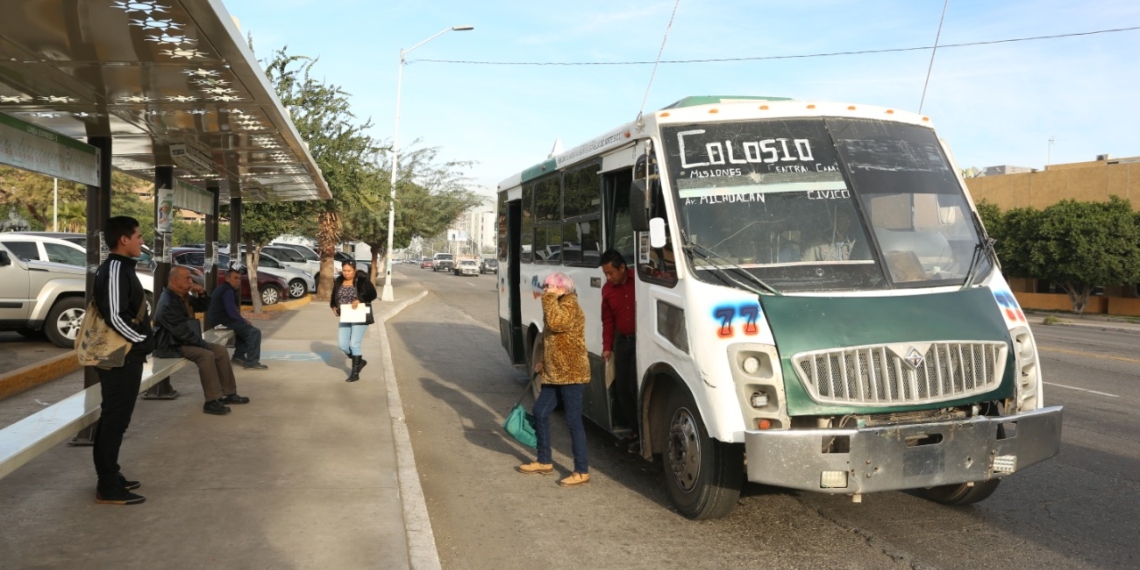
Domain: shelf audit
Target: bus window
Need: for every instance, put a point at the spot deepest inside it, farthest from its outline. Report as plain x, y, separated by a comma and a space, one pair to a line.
619, 229
580, 243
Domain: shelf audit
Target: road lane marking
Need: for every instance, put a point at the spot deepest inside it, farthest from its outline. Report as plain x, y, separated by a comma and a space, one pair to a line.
1082, 390
1089, 354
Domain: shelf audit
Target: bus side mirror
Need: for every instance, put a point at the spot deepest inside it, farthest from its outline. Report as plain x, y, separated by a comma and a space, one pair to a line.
638, 209
657, 233
5, 261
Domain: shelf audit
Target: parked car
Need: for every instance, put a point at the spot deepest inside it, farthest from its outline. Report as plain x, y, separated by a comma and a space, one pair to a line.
35, 246
442, 262
40, 296
144, 262
300, 282
489, 266
467, 267
271, 287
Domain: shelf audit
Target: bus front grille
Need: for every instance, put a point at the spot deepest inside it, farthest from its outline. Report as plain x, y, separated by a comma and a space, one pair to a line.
893, 374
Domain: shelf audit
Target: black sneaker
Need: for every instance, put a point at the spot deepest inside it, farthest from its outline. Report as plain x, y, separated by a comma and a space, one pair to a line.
216, 407
255, 366
128, 485
234, 399
118, 498
238, 360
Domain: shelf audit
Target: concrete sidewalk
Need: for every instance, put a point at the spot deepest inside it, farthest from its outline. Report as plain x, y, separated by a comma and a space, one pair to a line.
1102, 322
313, 473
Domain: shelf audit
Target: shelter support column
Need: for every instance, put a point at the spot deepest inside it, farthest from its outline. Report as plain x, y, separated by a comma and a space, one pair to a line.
235, 228
163, 238
212, 239
98, 210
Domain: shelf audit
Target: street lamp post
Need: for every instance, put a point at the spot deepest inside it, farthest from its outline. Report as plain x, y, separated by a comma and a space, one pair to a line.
386, 293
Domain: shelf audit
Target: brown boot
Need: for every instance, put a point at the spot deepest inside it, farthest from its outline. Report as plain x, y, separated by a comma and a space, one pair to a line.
535, 468
574, 479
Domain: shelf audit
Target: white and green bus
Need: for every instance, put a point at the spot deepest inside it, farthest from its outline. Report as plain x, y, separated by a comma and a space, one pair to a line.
818, 304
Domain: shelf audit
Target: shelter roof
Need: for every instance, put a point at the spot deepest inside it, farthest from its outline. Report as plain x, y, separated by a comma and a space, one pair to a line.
172, 82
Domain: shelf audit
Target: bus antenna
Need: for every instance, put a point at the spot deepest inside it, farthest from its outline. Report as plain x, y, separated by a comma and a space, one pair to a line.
658, 62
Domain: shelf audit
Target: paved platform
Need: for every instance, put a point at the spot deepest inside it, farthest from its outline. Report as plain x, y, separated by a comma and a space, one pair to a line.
313, 473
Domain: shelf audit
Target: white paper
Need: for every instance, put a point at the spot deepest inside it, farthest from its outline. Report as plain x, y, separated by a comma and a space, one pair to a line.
357, 315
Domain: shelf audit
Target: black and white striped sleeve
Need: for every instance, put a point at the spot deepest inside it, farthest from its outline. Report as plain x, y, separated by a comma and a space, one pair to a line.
119, 314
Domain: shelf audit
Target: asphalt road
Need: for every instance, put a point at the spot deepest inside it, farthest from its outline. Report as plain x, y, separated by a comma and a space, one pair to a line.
1079, 510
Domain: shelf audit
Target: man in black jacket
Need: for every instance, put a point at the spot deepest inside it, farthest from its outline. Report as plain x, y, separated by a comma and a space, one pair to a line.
121, 301
175, 338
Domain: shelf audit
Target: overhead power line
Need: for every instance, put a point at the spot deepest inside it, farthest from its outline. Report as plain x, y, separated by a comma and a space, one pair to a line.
777, 57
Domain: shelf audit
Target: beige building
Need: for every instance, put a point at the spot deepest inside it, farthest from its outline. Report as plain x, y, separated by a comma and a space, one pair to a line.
1092, 181
1083, 181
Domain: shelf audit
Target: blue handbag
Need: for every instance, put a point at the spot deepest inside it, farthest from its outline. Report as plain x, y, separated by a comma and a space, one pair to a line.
520, 425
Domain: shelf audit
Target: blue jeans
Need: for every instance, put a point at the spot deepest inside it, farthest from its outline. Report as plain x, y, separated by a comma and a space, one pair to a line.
571, 395
349, 336
247, 342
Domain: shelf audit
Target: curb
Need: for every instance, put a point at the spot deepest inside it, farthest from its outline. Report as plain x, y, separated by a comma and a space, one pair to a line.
289, 305
33, 375
1105, 327
422, 551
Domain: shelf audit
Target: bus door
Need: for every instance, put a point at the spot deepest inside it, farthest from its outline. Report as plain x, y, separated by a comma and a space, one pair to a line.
510, 300
601, 403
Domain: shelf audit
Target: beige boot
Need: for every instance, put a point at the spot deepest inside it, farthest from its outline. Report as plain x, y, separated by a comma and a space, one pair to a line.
535, 468
575, 479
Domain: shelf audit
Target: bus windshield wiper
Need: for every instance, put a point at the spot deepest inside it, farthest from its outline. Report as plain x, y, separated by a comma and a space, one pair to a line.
982, 248
693, 248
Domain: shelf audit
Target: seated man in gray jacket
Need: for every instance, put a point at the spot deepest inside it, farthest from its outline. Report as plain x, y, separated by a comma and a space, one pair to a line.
175, 338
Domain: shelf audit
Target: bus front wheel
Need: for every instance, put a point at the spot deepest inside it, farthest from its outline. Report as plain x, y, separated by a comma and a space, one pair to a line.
961, 494
703, 475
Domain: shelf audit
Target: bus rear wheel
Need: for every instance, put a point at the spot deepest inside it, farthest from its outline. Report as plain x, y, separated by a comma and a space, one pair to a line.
703, 475
962, 493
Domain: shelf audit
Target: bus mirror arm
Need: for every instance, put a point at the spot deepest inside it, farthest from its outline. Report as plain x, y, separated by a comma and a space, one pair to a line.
638, 210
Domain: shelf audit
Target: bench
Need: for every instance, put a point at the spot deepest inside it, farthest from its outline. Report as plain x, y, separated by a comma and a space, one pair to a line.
26, 439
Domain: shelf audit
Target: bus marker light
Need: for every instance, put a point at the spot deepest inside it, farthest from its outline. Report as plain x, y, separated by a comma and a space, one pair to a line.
664, 114
1005, 464
833, 480
714, 111
758, 400
763, 107
811, 106
890, 111
851, 107
627, 134
763, 424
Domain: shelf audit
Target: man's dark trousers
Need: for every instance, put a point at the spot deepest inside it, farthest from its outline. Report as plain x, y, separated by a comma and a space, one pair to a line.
120, 389
625, 377
247, 342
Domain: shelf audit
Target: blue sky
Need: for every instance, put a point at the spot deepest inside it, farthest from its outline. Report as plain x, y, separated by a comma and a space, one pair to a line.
996, 104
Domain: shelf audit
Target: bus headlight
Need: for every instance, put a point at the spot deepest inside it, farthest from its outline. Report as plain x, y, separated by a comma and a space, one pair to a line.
751, 365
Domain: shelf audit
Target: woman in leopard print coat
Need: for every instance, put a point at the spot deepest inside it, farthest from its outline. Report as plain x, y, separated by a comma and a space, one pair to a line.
564, 371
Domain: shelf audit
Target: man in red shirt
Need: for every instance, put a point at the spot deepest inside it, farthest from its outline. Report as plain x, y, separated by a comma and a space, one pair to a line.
619, 327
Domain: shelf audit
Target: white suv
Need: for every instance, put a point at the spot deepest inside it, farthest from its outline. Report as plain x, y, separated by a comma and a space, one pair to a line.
37, 248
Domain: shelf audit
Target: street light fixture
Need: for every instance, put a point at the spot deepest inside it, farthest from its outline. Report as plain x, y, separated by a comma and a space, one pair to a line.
386, 293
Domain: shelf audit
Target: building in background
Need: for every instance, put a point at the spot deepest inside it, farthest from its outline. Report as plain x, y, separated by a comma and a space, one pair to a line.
1017, 187
477, 227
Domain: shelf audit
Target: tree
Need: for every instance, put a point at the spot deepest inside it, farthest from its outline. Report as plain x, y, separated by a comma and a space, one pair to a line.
429, 196
339, 144
1083, 244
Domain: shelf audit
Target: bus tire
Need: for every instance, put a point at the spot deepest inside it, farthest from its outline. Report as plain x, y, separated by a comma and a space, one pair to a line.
703, 475
962, 493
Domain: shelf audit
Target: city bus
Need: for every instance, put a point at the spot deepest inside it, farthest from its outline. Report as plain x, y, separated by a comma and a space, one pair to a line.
818, 304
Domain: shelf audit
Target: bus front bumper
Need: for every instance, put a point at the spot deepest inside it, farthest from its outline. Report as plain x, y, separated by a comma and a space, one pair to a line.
912, 456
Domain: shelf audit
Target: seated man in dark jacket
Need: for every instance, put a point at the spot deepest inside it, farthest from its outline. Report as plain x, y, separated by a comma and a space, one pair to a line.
174, 338
224, 310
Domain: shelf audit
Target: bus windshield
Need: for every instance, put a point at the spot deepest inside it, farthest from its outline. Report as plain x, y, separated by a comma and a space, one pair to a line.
770, 197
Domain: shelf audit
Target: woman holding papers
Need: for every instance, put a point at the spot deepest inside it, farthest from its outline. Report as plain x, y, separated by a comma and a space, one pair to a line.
351, 301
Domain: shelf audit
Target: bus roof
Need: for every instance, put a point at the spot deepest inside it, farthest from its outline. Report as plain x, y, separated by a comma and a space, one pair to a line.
726, 108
